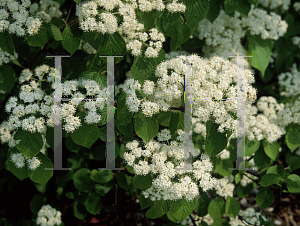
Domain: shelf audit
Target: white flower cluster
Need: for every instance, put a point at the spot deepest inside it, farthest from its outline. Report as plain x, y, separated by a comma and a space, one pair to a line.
249, 215
19, 160
290, 81
224, 188
87, 47
48, 216
274, 4
15, 18
246, 180
225, 154
297, 6
45, 10
296, 41
5, 57
169, 183
93, 18
188, 221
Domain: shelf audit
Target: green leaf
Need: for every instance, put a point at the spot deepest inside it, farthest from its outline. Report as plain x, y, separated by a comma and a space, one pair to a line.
123, 180
146, 18
251, 146
38, 40
113, 45
154, 212
127, 130
143, 68
86, 135
163, 118
63, 177
181, 208
30, 143
6, 42
254, 2
36, 203
70, 40
145, 127
173, 122
124, 116
261, 51
271, 149
142, 182
293, 183
102, 190
195, 11
103, 176
278, 170
175, 43
7, 78
214, 10
82, 180
264, 197
172, 23
93, 203
216, 208
261, 160
293, 136
222, 166
295, 98
215, 141
20, 173
242, 6
294, 163
284, 61
50, 137
220, 222
54, 32
93, 38
269, 179
145, 202
202, 205
268, 75
237, 178
77, 1
232, 207
101, 79
79, 210
41, 175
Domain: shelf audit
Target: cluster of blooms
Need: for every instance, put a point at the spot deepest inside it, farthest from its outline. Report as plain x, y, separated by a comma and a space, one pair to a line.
87, 47
224, 188
169, 183
274, 4
45, 10
210, 78
130, 29
223, 36
15, 17
188, 221
33, 100
249, 215
290, 81
297, 6
5, 57
19, 160
296, 41
48, 216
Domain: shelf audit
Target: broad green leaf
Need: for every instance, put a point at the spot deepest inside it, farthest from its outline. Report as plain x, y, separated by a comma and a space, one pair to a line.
172, 23
36, 203
268, 75
214, 10
101, 79
30, 143
293, 183
20, 173
6, 42
279, 170
123, 180
232, 207
244, 191
163, 118
237, 178
143, 68
215, 141
269, 179
124, 116
295, 98
40, 39
146, 18
175, 43
254, 2
50, 137
126, 130
79, 210
261, 51
142, 182
294, 163
145, 127
63, 177
222, 166
54, 32
71, 145
271, 149
154, 212
77, 1
195, 11
93, 38
103, 176
241, 6
82, 180
145, 202
264, 197
7, 78
93, 203
219, 222
102, 190
251, 146
181, 208
284, 61
71, 39
173, 122
86, 135
216, 208
202, 205
41, 175
261, 160
158, 21
113, 45
293, 136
